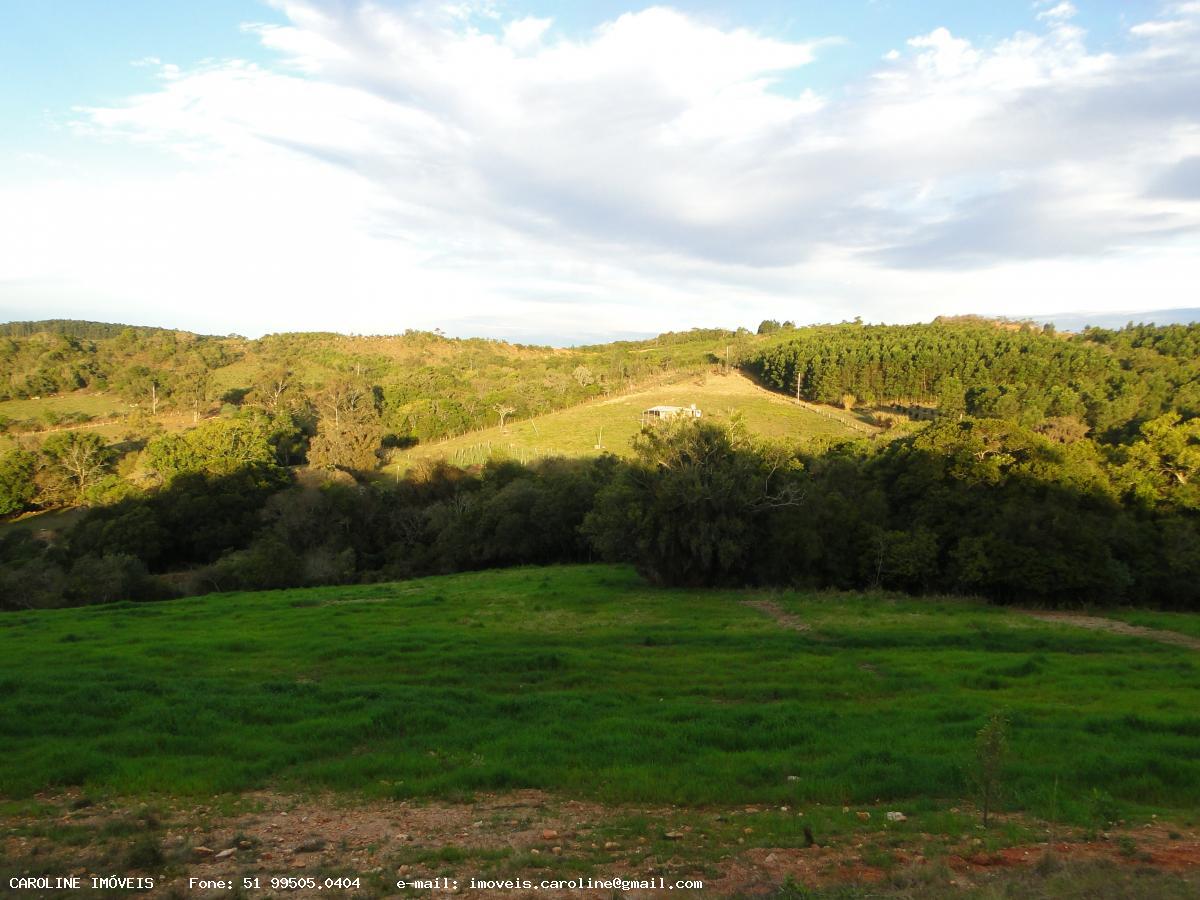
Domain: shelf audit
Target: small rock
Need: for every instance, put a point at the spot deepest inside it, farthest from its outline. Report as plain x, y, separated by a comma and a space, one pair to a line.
865, 816
225, 854
556, 850
536, 852
747, 831
793, 778
673, 835
770, 858
784, 808
299, 864
549, 834
403, 870
244, 845
896, 817
611, 845
202, 851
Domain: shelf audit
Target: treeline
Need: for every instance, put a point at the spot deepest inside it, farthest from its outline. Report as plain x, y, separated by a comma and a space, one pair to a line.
1108, 381
977, 506
425, 386
75, 328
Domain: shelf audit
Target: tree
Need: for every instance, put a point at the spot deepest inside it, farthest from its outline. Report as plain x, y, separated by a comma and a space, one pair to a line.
503, 411
17, 487
350, 445
991, 753
81, 458
345, 398
142, 385
951, 397
195, 384
1164, 463
695, 507
274, 385
216, 447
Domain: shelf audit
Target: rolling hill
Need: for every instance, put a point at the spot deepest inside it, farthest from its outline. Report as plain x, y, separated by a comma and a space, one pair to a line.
610, 424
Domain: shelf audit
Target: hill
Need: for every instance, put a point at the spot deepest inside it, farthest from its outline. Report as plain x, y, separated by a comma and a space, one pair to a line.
610, 424
759, 713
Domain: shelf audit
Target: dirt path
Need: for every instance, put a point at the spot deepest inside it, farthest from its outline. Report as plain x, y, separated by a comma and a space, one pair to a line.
1114, 626
784, 618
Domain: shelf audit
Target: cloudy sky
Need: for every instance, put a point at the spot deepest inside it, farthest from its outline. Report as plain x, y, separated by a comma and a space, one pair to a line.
507, 169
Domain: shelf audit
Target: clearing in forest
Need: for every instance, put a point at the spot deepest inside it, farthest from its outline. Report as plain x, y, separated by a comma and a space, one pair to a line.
613, 422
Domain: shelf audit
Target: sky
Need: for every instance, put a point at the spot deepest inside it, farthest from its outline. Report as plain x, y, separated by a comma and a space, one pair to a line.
569, 173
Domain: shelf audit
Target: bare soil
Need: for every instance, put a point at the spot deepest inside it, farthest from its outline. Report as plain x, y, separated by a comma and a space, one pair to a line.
523, 834
1098, 623
784, 618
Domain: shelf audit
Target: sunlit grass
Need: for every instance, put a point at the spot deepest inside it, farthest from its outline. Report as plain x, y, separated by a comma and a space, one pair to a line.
610, 424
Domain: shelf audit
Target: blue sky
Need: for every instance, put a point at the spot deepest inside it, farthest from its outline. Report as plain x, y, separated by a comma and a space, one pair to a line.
572, 172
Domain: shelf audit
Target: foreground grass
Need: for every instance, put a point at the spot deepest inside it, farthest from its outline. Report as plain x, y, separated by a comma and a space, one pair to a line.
575, 431
585, 681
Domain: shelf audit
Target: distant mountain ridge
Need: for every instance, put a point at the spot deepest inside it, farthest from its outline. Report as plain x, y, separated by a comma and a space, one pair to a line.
1078, 321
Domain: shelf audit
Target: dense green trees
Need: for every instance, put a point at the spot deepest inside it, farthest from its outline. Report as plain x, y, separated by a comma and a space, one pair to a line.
217, 447
1056, 469
977, 506
690, 508
17, 487
1111, 380
425, 386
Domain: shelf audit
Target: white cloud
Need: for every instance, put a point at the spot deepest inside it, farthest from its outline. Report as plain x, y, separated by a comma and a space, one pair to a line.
1060, 12
444, 166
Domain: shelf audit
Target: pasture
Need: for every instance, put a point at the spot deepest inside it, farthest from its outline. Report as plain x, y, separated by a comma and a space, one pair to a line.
611, 424
586, 681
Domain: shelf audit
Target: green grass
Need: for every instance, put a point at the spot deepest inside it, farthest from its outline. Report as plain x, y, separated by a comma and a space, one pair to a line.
586, 681
576, 431
98, 405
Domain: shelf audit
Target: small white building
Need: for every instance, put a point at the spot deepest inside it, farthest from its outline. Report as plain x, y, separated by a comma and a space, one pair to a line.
663, 413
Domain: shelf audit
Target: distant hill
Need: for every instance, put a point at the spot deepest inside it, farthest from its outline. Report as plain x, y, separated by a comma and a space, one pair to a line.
1078, 321
76, 328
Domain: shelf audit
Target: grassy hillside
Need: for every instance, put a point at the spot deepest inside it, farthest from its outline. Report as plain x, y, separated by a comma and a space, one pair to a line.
586, 681
614, 421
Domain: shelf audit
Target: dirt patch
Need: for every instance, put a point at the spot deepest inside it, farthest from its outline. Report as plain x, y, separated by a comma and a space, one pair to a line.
1114, 626
522, 836
784, 618
762, 870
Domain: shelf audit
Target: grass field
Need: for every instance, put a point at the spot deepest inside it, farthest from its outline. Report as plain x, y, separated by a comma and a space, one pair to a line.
98, 405
584, 680
614, 422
